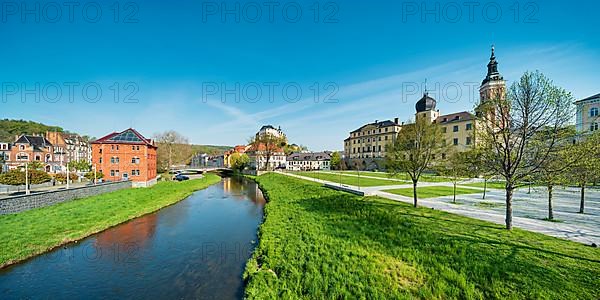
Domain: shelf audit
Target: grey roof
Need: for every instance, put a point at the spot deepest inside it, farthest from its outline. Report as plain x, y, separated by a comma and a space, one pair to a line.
38, 142
311, 156
589, 98
381, 124
455, 117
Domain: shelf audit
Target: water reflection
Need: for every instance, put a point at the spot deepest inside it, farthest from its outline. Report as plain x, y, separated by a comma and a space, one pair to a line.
196, 248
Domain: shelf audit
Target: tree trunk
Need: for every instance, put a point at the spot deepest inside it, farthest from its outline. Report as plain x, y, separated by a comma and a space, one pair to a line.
454, 197
582, 200
509, 195
484, 187
550, 213
415, 193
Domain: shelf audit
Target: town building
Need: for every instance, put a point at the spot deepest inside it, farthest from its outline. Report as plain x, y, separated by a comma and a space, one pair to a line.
309, 161
365, 148
4, 156
227, 155
30, 148
258, 152
67, 148
587, 114
126, 155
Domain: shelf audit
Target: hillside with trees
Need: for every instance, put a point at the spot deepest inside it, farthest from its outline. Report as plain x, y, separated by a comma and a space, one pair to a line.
10, 128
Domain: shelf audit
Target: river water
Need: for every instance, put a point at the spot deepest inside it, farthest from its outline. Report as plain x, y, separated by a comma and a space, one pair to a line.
196, 248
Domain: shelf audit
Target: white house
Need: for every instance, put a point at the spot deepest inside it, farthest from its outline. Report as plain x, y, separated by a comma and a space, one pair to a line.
309, 161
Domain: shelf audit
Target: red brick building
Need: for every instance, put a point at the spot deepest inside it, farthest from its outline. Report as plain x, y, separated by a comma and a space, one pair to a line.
126, 155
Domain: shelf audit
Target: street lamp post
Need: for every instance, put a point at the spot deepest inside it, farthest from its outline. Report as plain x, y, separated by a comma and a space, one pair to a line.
26, 180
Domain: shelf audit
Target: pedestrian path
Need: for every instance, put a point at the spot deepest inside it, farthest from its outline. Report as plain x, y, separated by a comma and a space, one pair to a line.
528, 209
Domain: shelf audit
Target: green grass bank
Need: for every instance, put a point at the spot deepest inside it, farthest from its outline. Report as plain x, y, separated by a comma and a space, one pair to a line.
318, 243
36, 231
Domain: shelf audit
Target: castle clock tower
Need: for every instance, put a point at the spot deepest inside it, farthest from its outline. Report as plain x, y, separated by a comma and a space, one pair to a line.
493, 86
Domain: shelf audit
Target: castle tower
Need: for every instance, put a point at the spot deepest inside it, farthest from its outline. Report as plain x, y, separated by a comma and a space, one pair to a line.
425, 107
493, 86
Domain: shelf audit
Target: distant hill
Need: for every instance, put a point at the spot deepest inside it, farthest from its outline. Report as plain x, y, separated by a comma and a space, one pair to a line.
10, 128
210, 149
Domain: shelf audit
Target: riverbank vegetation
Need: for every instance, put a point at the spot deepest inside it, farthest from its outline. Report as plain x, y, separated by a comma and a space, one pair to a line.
32, 232
320, 243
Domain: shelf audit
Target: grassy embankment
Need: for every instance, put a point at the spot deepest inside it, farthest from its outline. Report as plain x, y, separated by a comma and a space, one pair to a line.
32, 232
432, 191
319, 243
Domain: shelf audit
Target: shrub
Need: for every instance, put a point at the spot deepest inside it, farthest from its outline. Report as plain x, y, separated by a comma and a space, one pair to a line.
17, 177
90, 175
62, 177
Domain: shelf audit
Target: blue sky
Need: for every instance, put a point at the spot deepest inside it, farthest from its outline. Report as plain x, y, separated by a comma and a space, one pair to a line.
369, 53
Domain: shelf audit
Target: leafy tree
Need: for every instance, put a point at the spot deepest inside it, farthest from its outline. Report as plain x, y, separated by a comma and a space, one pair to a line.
239, 161
532, 105
267, 145
586, 167
455, 167
17, 177
336, 160
553, 170
291, 148
173, 148
79, 165
414, 149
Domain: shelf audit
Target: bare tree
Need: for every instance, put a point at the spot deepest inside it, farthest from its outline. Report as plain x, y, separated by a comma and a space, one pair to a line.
267, 145
173, 148
414, 150
532, 105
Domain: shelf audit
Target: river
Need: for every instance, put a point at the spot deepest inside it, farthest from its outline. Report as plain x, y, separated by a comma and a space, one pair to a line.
196, 248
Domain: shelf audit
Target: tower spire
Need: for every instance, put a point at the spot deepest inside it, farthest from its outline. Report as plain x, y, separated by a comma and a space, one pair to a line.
492, 68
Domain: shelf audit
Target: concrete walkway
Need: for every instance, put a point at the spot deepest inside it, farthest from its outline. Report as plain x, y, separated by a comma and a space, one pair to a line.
528, 209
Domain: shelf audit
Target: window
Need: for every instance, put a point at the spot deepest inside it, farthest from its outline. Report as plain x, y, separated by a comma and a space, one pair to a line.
38, 158
469, 126
593, 126
117, 149
386, 137
380, 139
380, 148
21, 147
594, 112
112, 147
100, 160
443, 129
455, 128
455, 142
386, 129
468, 140
112, 172
443, 155
112, 160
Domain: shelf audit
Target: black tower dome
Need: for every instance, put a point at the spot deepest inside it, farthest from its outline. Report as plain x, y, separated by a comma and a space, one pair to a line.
426, 103
492, 73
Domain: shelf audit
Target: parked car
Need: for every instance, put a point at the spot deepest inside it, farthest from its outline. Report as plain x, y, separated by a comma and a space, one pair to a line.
180, 177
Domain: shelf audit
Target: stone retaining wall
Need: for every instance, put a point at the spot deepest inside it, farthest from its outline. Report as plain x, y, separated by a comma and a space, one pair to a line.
21, 203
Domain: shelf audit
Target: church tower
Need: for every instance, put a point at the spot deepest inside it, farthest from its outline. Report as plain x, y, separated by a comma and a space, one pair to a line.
493, 86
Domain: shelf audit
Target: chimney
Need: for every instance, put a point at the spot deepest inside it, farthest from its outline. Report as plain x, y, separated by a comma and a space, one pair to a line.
396, 120
376, 121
